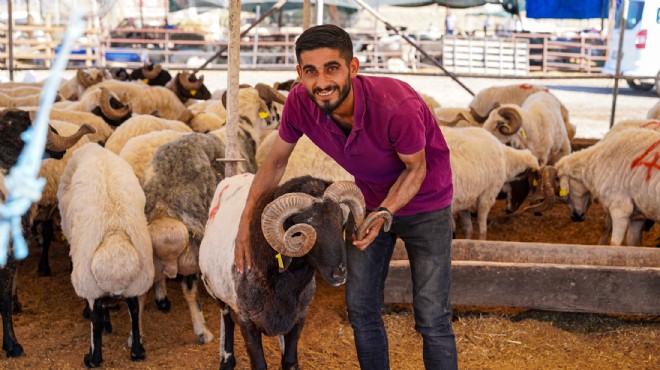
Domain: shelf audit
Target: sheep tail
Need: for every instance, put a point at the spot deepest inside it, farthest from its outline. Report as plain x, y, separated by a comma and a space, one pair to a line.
169, 238
115, 263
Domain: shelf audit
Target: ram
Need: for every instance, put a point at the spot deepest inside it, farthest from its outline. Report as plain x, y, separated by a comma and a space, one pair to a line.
13, 122
141, 124
151, 74
102, 208
621, 172
187, 86
74, 88
295, 232
654, 112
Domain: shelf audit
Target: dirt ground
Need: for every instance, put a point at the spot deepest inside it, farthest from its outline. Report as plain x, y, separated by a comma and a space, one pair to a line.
55, 335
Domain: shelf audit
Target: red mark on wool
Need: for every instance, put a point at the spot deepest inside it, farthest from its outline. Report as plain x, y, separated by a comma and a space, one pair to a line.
650, 165
215, 208
526, 86
653, 125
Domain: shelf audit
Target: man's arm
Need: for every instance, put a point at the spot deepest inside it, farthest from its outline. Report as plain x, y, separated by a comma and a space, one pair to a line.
404, 189
267, 178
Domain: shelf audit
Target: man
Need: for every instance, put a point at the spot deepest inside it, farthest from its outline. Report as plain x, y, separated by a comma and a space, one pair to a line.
381, 132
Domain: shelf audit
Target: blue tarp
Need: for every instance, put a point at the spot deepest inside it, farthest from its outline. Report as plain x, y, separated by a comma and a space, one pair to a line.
567, 9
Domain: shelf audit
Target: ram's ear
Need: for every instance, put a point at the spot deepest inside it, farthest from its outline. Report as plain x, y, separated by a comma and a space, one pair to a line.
286, 262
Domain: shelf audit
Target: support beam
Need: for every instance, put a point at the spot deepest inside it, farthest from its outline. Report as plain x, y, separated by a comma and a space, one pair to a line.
233, 73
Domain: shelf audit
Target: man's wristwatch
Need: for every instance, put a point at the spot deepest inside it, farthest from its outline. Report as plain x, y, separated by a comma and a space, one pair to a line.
383, 209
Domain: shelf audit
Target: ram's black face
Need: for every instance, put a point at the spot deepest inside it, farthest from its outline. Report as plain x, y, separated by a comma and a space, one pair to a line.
328, 256
161, 79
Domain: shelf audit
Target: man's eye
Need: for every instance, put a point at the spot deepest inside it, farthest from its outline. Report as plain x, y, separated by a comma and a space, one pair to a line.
332, 69
310, 72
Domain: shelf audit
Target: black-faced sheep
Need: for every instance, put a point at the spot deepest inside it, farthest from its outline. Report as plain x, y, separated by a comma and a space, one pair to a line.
102, 208
187, 86
74, 88
179, 183
151, 74
13, 123
298, 230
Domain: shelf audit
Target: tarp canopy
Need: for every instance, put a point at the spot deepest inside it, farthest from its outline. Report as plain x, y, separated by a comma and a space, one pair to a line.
567, 9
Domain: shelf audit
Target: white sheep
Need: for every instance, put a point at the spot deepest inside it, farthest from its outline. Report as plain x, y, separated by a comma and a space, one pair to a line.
490, 98
306, 159
139, 125
620, 172
454, 117
74, 88
103, 130
102, 208
654, 112
536, 125
480, 166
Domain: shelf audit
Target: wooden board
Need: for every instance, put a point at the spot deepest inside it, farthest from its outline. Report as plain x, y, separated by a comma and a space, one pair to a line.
570, 278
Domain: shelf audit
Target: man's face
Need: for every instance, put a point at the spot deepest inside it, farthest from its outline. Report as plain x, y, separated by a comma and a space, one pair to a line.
327, 77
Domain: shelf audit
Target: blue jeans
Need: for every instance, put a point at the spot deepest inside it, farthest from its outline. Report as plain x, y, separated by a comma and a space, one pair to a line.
428, 241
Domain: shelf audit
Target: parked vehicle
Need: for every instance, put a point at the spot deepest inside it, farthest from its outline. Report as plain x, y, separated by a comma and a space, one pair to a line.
641, 45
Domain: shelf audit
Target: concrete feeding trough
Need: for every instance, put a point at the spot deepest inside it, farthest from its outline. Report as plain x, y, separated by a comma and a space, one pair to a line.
554, 277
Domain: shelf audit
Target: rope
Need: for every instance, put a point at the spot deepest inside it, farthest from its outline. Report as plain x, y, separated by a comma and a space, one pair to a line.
23, 186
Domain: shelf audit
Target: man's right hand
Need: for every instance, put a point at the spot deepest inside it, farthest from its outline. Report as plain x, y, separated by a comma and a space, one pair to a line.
242, 250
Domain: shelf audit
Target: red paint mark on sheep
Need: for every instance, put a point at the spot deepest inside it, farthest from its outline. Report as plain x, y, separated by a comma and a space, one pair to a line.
526, 86
215, 208
650, 165
653, 125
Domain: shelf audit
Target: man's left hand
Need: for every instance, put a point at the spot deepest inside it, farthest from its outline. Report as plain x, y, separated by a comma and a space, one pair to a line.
371, 235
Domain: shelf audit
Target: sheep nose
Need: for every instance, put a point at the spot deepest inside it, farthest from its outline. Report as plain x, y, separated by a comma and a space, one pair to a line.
340, 272
577, 218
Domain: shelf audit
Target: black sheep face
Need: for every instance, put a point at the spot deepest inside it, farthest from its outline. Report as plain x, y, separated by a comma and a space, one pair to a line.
13, 122
328, 256
202, 93
161, 79
115, 104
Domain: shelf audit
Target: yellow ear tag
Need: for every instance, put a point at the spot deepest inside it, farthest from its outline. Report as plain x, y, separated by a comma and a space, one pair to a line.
562, 192
535, 183
193, 92
280, 264
523, 134
263, 115
146, 80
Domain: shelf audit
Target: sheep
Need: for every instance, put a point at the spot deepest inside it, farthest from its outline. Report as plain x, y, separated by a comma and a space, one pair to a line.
619, 172
151, 74
306, 159
119, 73
140, 125
139, 150
654, 112
536, 125
19, 91
146, 99
179, 183
648, 124
187, 86
102, 208
74, 88
103, 130
481, 165
13, 122
488, 99
8, 101
454, 117
272, 298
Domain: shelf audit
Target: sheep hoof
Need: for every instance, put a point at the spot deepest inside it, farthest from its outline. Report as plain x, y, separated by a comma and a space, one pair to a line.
205, 337
107, 327
164, 305
290, 367
228, 364
91, 362
13, 350
138, 355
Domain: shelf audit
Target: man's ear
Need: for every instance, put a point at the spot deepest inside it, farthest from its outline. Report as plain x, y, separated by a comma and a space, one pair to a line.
354, 66
299, 70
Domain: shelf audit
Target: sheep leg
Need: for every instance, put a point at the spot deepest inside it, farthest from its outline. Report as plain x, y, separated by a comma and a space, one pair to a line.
620, 214
162, 302
634, 234
16, 306
95, 356
47, 234
252, 337
189, 287
227, 358
134, 308
290, 355
483, 209
607, 230
466, 223
9, 342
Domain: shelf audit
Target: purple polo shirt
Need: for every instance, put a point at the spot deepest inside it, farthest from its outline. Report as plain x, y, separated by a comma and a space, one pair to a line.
390, 117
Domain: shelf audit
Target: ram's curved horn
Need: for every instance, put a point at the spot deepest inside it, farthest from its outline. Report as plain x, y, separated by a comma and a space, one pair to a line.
299, 239
184, 81
151, 73
513, 118
547, 191
267, 93
348, 193
58, 143
477, 117
108, 110
361, 231
84, 79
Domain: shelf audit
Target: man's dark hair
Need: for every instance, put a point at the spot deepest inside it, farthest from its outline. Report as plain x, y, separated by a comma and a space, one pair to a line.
325, 36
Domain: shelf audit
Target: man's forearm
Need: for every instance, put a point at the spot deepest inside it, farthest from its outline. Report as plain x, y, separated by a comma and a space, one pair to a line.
404, 189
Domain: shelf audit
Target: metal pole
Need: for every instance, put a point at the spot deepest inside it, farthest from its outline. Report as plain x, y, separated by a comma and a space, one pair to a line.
389, 26
10, 40
270, 11
255, 47
622, 29
307, 14
233, 72
319, 12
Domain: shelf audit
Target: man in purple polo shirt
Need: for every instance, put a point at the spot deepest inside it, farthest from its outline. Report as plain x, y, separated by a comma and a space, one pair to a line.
381, 132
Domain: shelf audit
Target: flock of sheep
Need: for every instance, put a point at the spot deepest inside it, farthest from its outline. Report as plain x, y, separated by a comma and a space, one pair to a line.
136, 176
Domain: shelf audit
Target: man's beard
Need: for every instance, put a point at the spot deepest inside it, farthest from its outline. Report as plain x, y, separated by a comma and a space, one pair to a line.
328, 107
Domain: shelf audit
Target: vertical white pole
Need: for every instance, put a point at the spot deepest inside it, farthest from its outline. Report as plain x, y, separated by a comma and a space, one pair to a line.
233, 72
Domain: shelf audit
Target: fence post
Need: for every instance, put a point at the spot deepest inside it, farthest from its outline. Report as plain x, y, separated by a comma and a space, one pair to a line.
545, 54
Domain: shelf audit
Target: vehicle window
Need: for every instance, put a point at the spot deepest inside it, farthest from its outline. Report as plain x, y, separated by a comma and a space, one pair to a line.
635, 10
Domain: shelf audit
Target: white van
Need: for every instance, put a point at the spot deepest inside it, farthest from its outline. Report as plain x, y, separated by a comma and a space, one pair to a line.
641, 45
